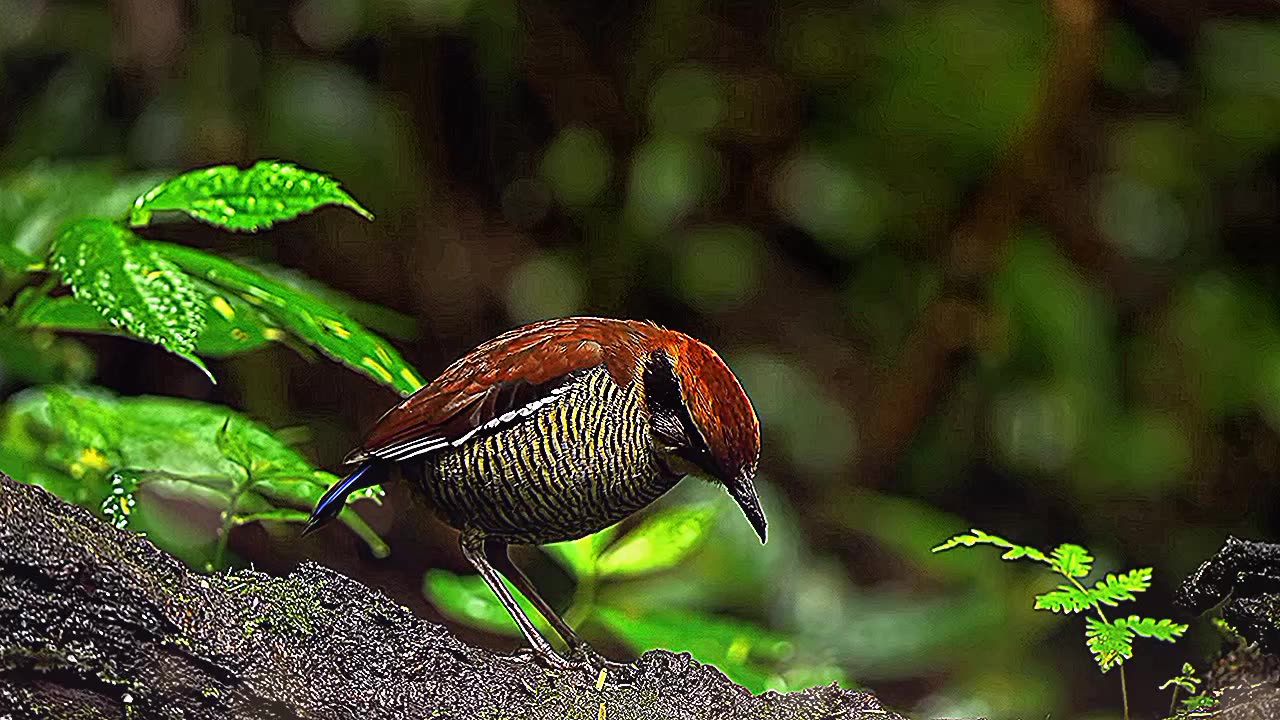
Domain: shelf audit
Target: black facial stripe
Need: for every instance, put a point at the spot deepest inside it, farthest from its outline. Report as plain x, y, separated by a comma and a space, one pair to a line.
670, 414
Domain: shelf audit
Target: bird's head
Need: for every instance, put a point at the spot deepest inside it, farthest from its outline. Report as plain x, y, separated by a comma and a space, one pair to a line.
702, 420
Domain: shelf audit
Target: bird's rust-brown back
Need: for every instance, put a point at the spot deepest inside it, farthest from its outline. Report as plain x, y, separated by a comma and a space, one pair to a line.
469, 392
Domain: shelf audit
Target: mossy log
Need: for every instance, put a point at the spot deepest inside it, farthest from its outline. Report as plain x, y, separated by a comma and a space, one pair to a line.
97, 622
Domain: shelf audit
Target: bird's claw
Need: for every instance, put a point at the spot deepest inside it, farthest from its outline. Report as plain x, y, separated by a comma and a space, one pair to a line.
579, 657
547, 658
584, 655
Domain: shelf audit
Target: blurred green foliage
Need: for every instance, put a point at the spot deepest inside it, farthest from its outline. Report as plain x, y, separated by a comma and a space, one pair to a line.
790, 181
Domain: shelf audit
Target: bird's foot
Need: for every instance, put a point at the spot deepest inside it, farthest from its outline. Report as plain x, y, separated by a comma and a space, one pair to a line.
583, 655
547, 658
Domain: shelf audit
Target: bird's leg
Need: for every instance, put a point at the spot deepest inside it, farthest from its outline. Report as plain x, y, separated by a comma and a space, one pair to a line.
499, 554
473, 550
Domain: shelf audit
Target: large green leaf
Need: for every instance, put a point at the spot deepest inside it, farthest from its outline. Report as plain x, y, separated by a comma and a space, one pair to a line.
376, 317
129, 284
660, 542
109, 444
232, 325
467, 599
309, 318
579, 556
745, 652
250, 199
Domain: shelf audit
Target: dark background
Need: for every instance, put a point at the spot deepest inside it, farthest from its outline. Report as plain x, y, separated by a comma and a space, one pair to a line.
985, 263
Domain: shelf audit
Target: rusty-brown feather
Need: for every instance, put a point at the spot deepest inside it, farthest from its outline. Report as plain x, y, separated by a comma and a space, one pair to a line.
466, 395
555, 430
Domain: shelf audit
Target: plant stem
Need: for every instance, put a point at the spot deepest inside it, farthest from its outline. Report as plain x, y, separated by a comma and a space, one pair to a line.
1124, 693
1124, 688
228, 520
224, 533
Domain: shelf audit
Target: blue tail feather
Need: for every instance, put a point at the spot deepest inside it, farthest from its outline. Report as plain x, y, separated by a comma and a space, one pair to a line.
336, 497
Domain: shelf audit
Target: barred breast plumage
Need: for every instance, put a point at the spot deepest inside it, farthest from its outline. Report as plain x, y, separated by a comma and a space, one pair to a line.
553, 431
584, 460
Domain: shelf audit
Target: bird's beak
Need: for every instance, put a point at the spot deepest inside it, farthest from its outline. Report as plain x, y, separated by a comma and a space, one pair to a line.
743, 491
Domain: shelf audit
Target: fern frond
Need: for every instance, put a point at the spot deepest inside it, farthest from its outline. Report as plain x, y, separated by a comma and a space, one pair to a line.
979, 537
1066, 599
1113, 589
1187, 680
1110, 643
1200, 703
1163, 629
1072, 560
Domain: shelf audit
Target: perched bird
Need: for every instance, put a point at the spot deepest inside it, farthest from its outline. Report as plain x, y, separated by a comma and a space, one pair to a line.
556, 430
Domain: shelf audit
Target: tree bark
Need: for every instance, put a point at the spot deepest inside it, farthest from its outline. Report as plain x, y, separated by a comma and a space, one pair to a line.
97, 622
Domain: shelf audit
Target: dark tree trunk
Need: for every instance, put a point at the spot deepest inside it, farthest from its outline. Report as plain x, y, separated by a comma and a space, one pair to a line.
97, 623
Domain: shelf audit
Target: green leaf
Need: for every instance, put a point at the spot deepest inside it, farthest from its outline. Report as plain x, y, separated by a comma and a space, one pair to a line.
747, 653
1066, 599
660, 542
467, 599
1163, 629
251, 199
232, 325
1111, 590
1110, 643
979, 537
579, 556
1199, 703
309, 318
1114, 589
385, 320
1072, 560
129, 284
88, 435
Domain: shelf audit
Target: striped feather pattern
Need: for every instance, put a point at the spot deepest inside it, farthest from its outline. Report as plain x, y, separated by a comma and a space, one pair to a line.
583, 461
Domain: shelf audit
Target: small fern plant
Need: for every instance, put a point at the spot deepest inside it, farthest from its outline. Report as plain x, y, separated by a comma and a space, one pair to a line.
1197, 704
1110, 641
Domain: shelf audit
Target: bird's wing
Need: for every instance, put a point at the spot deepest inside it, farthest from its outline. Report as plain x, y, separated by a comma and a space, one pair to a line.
503, 379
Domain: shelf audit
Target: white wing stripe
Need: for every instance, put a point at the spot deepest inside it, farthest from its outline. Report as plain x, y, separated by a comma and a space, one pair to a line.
421, 446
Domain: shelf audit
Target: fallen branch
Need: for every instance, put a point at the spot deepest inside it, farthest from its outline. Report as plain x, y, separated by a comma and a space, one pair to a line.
97, 622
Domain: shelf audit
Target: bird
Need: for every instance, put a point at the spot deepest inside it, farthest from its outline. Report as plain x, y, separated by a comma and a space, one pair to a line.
553, 431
